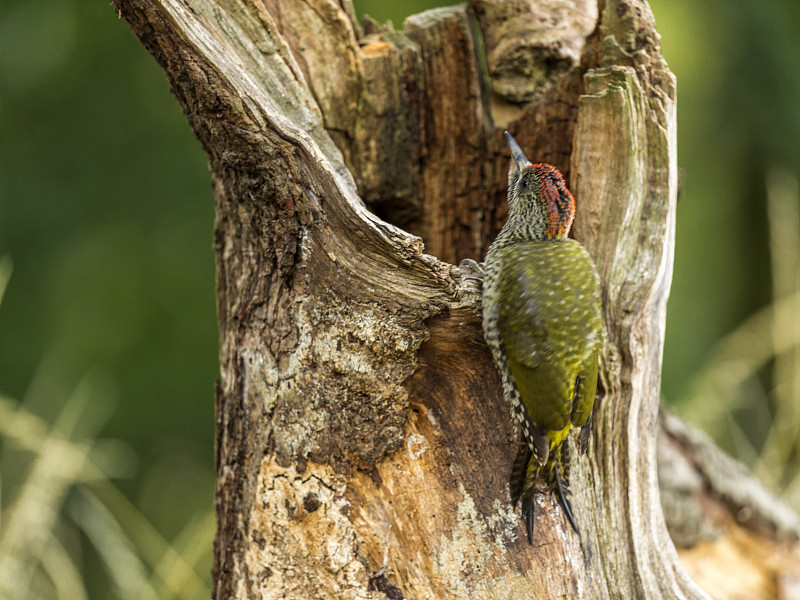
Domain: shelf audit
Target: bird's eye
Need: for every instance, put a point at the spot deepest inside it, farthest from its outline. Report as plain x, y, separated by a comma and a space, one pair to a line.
525, 184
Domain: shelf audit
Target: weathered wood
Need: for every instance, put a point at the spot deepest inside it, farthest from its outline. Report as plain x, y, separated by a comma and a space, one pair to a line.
532, 44
735, 539
363, 444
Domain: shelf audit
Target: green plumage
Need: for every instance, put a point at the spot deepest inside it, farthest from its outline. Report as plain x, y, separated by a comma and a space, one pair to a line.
545, 292
542, 320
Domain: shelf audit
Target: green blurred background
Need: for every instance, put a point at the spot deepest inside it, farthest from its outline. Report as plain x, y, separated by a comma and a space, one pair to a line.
108, 335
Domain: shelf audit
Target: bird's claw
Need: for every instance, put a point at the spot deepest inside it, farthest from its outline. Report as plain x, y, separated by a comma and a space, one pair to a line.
471, 269
562, 491
528, 515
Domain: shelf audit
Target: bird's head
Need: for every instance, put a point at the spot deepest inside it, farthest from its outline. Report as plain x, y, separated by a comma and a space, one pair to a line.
538, 198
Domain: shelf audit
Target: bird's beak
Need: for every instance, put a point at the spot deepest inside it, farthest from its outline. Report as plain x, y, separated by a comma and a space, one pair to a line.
516, 153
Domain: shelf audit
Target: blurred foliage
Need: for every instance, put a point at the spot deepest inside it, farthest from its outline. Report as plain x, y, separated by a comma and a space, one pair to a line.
65, 515
738, 69
106, 211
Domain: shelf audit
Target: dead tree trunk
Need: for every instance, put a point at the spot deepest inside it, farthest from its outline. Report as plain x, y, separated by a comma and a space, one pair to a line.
363, 444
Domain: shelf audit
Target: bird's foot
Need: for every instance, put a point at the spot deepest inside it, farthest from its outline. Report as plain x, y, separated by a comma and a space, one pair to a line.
471, 269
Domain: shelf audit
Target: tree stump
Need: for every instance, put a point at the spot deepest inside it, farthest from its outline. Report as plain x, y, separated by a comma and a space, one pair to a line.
363, 443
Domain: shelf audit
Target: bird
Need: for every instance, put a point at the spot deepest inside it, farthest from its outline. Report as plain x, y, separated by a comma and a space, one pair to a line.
542, 321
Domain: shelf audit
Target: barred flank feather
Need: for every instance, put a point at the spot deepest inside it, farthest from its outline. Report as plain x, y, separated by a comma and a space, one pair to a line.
519, 471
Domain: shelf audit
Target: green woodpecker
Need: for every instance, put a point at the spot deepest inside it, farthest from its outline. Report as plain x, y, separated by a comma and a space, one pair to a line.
542, 321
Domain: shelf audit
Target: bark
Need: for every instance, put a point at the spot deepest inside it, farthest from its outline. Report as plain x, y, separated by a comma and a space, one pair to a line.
363, 444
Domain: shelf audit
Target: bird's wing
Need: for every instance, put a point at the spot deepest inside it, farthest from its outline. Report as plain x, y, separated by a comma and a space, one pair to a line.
543, 383
585, 388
